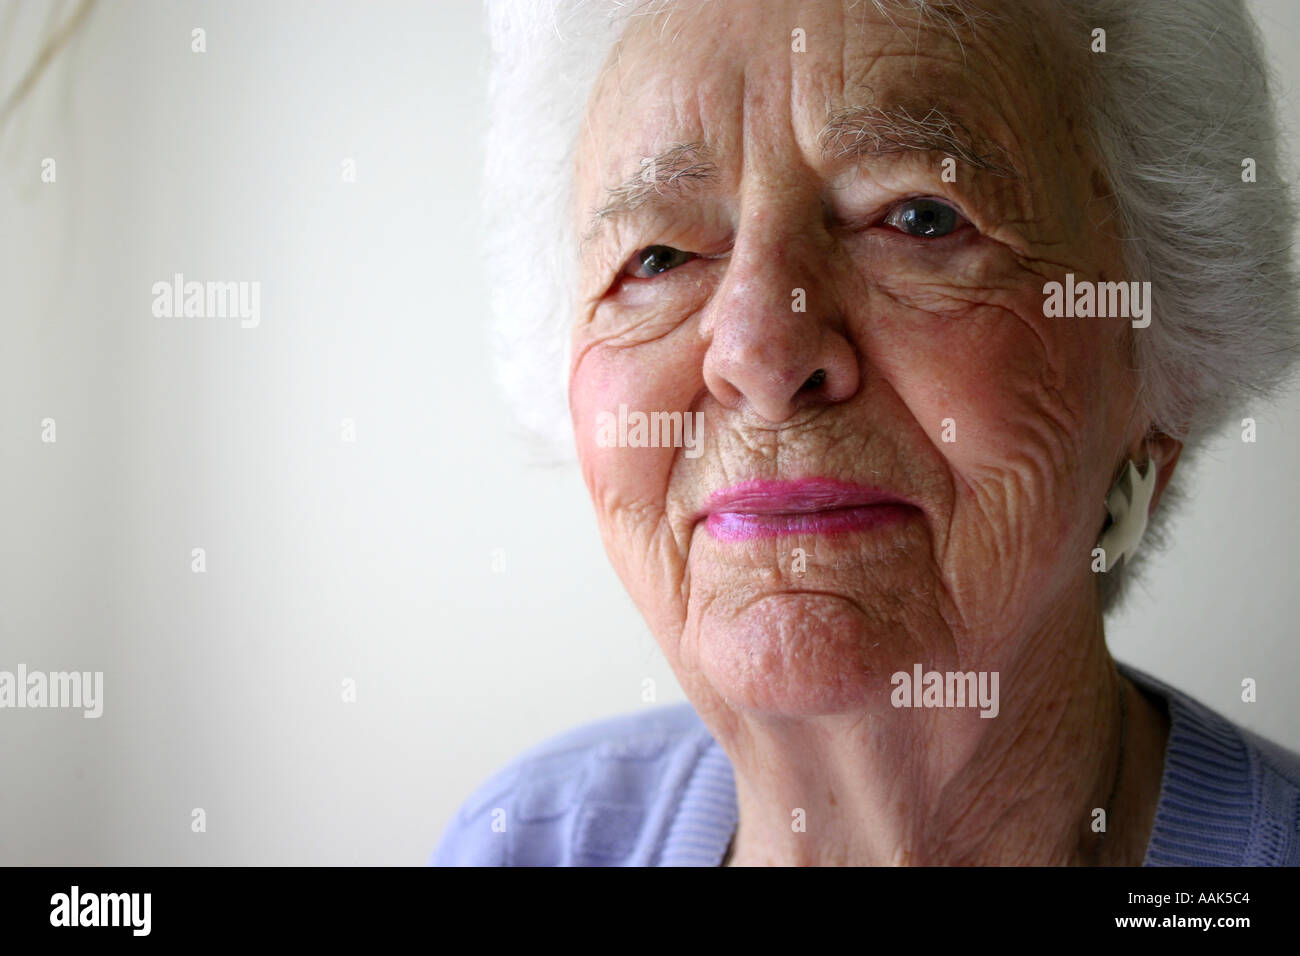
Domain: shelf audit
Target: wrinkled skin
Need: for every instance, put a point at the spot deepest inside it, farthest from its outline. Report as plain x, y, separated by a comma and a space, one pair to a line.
992, 569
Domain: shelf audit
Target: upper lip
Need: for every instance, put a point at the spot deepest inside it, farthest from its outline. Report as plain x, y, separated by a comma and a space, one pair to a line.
800, 496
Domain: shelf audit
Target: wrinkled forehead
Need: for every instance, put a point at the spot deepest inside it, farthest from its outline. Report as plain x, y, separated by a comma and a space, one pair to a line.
720, 72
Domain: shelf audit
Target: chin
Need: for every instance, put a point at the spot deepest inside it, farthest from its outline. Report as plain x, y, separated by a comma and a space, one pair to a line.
800, 655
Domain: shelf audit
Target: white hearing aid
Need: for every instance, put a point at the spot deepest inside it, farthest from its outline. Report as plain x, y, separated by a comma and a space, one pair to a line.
1129, 502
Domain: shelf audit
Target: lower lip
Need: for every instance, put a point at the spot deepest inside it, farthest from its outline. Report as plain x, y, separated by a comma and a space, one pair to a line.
738, 526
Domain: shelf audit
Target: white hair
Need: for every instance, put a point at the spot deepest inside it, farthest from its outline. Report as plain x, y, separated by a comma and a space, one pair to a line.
1178, 101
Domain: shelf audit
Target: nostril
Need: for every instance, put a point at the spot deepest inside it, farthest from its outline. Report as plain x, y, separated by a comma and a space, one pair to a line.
815, 380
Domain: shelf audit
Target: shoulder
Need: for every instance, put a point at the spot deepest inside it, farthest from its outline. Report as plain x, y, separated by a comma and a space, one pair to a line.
602, 794
1221, 776
1278, 800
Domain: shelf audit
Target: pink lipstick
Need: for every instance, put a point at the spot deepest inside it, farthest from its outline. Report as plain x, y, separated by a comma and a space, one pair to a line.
766, 509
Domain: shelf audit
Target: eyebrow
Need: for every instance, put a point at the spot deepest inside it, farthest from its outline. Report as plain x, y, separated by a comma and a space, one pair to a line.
863, 132
670, 171
855, 133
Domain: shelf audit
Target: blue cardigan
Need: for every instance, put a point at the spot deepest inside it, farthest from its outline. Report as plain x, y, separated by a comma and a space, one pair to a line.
655, 789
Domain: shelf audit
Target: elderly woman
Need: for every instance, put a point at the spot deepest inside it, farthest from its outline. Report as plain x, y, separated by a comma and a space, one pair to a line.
888, 324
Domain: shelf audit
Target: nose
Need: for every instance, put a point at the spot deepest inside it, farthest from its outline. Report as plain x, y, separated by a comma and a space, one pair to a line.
778, 341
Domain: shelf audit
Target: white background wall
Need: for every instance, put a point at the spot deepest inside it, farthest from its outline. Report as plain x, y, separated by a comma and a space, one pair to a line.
370, 561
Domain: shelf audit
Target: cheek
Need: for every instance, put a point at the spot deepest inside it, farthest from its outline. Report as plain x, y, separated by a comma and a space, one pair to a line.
1015, 402
609, 387
991, 378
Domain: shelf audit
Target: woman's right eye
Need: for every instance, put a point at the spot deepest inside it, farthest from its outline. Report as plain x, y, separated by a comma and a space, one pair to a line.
653, 260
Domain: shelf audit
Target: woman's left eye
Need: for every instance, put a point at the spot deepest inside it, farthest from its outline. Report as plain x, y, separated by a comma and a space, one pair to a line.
653, 260
924, 218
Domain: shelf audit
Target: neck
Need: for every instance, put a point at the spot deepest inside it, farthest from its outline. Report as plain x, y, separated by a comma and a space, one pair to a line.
946, 787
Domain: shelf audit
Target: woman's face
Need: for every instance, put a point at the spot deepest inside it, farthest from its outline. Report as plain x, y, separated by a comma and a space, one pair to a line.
994, 431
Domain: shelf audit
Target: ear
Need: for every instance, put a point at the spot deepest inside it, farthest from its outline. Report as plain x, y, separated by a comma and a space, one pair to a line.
1165, 450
